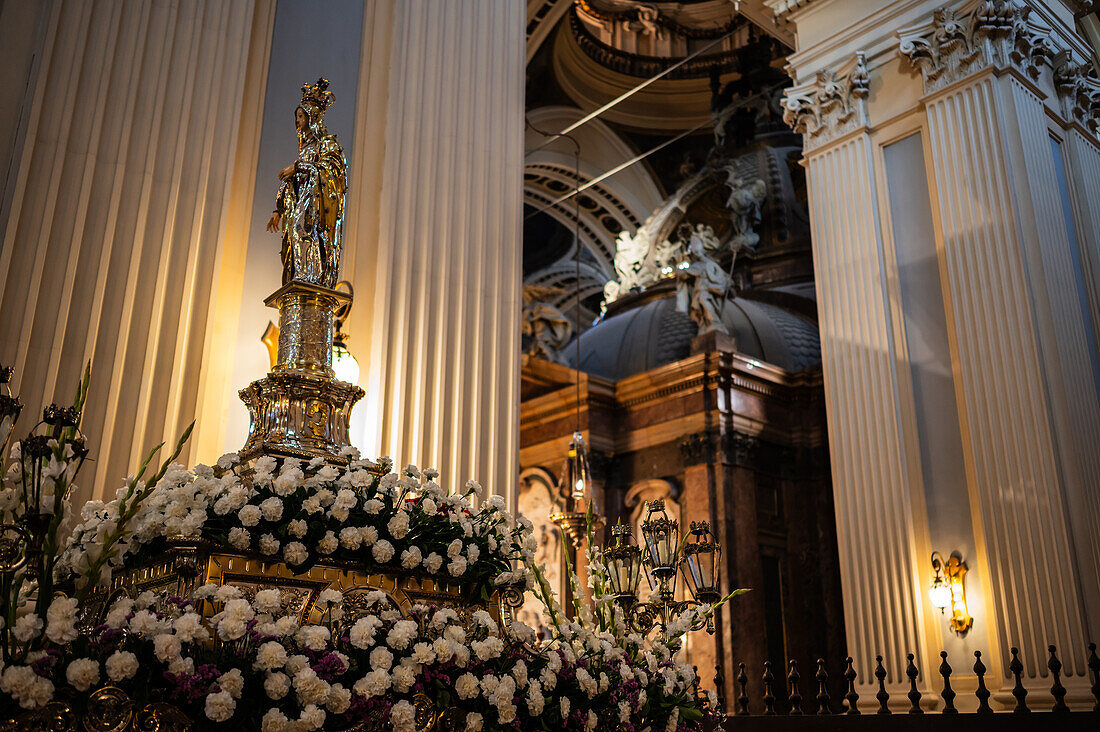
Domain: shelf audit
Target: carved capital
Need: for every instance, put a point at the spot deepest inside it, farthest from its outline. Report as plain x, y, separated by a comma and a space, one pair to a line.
699, 448
994, 33
831, 105
1078, 90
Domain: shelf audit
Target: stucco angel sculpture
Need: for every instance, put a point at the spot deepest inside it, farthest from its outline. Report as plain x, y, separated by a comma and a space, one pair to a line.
309, 208
547, 329
702, 288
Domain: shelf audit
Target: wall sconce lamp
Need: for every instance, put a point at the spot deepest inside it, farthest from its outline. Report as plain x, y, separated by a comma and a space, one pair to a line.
947, 591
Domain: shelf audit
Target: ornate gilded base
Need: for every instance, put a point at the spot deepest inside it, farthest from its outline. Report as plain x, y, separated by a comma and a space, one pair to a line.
185, 566
109, 709
299, 415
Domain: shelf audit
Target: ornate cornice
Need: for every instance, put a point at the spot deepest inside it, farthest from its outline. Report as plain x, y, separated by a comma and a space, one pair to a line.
831, 105
994, 33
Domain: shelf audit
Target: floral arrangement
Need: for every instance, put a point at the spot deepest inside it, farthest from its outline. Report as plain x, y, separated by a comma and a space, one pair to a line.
301, 513
225, 657
268, 672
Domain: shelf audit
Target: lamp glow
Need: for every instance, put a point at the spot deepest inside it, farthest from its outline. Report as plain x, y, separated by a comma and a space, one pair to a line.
948, 591
344, 364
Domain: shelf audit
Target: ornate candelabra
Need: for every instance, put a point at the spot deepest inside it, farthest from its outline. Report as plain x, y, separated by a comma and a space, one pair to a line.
663, 557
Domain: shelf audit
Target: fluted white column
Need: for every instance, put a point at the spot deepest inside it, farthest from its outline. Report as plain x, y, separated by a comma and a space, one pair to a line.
442, 376
873, 497
119, 202
1029, 404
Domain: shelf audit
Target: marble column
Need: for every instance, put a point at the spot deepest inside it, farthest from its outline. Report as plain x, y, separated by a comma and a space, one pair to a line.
439, 268
120, 195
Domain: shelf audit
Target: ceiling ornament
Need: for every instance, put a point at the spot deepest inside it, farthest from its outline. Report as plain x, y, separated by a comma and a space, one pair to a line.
833, 104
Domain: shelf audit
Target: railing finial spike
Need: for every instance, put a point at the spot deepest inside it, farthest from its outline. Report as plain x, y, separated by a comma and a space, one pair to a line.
914, 694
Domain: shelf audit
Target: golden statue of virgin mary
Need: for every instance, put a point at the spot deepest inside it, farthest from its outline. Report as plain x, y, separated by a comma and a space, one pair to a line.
309, 209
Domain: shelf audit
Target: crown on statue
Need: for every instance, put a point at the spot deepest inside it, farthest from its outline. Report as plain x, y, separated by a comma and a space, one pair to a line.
316, 99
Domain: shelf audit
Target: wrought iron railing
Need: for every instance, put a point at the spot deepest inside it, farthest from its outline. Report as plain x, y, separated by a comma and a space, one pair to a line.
792, 703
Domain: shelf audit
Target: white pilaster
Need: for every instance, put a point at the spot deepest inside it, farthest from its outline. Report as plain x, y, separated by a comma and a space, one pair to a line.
120, 195
877, 508
443, 372
1026, 391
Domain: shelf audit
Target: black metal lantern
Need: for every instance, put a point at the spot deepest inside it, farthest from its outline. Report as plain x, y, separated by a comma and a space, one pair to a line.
10, 407
702, 557
624, 564
661, 534
576, 476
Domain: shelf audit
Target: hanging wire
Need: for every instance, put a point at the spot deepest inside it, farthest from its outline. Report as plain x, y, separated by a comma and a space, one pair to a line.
576, 246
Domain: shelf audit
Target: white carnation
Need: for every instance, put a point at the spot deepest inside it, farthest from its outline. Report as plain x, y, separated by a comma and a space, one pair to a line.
82, 673
272, 509
295, 553
121, 665
249, 515
382, 551
220, 706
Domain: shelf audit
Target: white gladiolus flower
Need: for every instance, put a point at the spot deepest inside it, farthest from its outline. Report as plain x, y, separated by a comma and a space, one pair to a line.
61, 620
82, 673
27, 627
220, 706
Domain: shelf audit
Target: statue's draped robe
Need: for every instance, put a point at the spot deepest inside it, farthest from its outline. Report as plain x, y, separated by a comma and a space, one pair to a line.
312, 206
